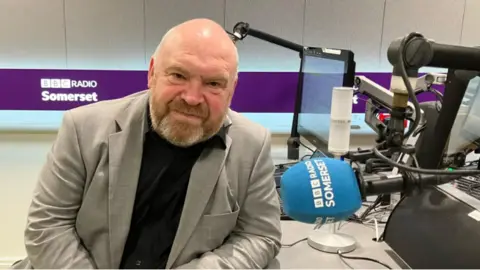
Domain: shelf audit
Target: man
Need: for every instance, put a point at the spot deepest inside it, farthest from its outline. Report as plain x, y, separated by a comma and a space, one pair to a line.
165, 178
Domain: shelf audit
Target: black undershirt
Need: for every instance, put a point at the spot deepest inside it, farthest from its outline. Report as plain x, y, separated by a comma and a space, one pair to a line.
160, 196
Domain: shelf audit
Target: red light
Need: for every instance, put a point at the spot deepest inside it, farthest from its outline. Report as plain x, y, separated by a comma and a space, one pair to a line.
385, 116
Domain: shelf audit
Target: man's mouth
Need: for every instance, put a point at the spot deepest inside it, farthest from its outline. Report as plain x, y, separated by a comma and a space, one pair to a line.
187, 116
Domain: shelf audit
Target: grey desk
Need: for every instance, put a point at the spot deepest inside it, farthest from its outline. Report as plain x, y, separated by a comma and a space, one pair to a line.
302, 256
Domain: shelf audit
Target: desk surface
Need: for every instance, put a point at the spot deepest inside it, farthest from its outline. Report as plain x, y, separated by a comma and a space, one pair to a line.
303, 256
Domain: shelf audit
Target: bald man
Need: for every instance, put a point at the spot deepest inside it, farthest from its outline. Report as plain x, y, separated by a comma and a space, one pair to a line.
166, 178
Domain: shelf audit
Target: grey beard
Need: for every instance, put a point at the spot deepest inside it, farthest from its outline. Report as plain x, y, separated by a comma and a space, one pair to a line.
166, 129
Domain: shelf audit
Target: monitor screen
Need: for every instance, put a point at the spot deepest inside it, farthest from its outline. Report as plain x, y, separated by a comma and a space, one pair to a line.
465, 132
472, 100
320, 74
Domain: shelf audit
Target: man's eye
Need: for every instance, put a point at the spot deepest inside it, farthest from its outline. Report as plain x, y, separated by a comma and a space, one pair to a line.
214, 84
178, 76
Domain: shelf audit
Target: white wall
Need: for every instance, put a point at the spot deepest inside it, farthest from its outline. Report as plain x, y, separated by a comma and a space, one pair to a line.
121, 34
21, 157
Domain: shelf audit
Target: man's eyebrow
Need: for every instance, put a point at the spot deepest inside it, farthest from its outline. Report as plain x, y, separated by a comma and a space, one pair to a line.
217, 77
220, 76
175, 69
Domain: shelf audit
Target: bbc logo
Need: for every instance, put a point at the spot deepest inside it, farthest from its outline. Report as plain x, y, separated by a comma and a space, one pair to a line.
55, 83
318, 203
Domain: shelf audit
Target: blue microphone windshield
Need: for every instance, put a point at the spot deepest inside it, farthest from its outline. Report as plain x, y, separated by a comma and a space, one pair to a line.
320, 190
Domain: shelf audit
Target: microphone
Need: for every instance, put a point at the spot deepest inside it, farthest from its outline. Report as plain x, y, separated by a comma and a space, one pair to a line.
340, 121
320, 190
327, 190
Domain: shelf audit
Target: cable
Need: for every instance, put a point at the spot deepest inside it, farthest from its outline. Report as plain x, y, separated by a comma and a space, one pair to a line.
377, 234
422, 128
305, 157
287, 164
472, 187
342, 257
232, 35
437, 94
409, 87
371, 207
302, 144
281, 165
423, 171
345, 262
294, 243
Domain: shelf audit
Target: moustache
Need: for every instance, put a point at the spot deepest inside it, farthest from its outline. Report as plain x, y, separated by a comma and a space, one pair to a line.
182, 107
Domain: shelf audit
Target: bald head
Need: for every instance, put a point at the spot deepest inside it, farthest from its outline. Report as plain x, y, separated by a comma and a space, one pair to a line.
204, 34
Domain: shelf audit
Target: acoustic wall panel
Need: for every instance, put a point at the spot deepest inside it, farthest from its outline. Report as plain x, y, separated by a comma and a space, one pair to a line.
471, 24
440, 20
106, 34
161, 15
32, 34
283, 18
347, 24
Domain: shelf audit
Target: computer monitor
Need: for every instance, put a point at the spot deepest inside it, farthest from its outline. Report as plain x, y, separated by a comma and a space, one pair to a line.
466, 128
322, 70
447, 138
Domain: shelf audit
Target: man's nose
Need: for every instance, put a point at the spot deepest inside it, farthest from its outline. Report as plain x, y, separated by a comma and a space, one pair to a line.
193, 95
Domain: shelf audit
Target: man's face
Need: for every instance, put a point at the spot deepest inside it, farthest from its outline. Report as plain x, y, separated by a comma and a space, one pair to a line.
190, 95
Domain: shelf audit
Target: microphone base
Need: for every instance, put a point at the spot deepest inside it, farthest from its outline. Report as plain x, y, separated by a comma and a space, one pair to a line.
332, 242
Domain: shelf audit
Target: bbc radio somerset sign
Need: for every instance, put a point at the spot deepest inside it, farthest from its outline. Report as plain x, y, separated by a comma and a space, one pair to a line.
65, 90
60, 90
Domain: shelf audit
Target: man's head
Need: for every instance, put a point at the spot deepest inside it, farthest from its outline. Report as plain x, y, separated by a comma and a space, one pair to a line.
192, 77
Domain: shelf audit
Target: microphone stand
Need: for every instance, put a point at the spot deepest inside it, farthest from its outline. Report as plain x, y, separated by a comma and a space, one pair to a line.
330, 240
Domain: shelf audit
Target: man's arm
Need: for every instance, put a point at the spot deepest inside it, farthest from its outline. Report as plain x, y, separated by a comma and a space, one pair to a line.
50, 237
256, 238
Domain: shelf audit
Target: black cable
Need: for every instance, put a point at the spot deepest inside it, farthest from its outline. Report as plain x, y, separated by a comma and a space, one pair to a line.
285, 164
409, 87
304, 157
423, 171
345, 262
361, 258
233, 37
302, 144
371, 207
472, 187
422, 128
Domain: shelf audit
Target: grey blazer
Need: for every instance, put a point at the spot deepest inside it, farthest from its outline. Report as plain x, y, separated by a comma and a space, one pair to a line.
82, 205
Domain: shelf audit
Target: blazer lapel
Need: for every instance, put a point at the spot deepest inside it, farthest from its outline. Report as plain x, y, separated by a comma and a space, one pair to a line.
203, 179
125, 156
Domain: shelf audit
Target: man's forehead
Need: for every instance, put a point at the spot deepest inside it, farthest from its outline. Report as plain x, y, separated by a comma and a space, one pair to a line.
191, 63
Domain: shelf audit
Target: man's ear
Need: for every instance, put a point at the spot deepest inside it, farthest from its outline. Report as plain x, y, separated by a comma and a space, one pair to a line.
233, 91
235, 83
151, 73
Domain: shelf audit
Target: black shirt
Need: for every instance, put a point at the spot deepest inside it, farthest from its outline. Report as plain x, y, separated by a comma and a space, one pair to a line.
162, 187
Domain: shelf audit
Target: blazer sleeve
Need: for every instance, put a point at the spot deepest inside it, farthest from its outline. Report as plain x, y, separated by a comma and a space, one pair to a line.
255, 242
50, 237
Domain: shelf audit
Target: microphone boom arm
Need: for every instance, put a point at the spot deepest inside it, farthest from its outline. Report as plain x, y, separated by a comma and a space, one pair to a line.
242, 29
379, 95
